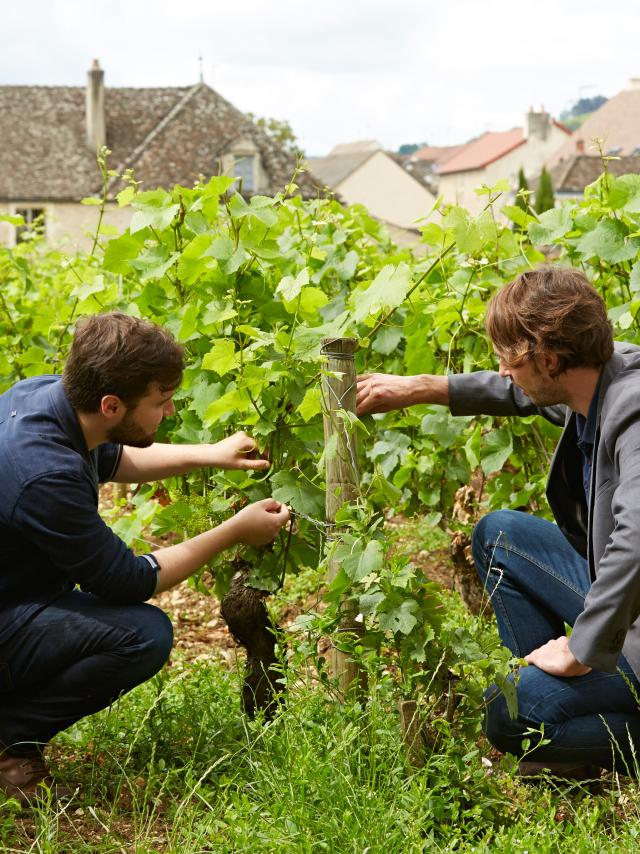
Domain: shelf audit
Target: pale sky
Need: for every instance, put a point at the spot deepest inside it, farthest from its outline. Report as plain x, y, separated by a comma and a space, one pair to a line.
397, 71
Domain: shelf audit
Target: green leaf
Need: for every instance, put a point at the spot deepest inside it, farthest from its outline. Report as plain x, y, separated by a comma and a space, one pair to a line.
496, 448
553, 224
359, 562
311, 404
298, 493
386, 292
290, 286
91, 201
222, 357
153, 217
120, 252
401, 619
388, 339
609, 242
126, 196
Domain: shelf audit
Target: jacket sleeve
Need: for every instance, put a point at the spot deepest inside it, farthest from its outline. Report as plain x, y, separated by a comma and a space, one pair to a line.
57, 514
488, 393
613, 602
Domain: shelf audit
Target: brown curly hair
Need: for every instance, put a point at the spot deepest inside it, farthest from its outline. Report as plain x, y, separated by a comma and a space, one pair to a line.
122, 355
553, 309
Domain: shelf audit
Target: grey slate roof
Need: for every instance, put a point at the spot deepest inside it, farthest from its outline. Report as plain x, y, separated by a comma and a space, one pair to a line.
574, 173
167, 135
334, 168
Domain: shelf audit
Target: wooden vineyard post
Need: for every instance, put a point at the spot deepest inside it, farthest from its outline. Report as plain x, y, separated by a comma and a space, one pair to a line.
342, 478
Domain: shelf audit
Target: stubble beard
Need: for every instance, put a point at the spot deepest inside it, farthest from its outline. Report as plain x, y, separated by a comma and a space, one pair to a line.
128, 432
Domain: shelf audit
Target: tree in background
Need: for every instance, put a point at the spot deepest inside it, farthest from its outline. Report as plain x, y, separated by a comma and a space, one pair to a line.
411, 147
545, 200
522, 199
280, 130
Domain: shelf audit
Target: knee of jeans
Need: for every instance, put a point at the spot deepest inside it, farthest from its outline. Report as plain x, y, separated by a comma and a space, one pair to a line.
486, 534
155, 635
498, 725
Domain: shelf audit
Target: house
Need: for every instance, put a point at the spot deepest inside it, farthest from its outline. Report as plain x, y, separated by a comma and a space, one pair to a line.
364, 173
498, 155
572, 174
616, 123
49, 136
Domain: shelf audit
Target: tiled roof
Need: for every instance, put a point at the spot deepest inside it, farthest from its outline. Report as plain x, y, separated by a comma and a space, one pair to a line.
167, 135
617, 122
574, 173
484, 150
334, 168
436, 153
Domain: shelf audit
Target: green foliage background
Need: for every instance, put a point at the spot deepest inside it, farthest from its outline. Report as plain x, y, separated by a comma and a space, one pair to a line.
250, 287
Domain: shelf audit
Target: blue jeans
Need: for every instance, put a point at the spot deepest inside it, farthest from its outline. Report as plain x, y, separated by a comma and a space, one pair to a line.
536, 583
72, 659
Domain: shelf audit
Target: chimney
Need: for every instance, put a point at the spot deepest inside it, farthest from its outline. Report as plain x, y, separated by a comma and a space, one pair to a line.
96, 134
579, 146
537, 125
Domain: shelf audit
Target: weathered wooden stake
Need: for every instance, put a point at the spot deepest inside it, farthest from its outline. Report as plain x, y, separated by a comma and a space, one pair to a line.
412, 732
339, 393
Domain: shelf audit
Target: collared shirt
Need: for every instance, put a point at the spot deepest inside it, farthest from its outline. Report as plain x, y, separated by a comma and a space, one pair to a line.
586, 435
51, 534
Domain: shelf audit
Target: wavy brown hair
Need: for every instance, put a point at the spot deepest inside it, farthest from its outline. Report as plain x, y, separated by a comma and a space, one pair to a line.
553, 309
122, 355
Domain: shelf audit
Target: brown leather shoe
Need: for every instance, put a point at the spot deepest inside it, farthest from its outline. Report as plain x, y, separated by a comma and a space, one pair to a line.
27, 779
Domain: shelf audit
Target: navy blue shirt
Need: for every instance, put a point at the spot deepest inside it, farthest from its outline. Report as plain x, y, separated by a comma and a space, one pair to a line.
586, 435
51, 535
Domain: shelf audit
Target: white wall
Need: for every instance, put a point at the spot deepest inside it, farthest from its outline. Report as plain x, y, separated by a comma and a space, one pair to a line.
390, 193
458, 187
68, 225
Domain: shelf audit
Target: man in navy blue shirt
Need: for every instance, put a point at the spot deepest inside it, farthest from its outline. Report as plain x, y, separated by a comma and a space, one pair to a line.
75, 628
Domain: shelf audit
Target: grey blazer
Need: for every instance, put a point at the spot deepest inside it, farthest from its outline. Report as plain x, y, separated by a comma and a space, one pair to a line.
608, 533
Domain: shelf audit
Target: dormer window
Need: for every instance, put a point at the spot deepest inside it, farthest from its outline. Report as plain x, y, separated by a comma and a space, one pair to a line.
244, 167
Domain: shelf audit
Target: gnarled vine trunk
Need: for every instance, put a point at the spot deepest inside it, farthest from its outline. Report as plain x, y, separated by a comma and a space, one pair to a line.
246, 616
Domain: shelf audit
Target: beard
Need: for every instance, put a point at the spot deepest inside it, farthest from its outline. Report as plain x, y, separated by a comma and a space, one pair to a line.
129, 432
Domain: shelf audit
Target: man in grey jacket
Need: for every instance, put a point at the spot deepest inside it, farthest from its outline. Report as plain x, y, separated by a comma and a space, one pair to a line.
578, 701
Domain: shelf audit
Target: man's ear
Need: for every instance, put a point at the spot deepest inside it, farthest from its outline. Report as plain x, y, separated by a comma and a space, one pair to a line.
112, 407
549, 360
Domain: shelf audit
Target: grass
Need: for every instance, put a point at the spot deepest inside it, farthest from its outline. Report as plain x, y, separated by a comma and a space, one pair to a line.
175, 767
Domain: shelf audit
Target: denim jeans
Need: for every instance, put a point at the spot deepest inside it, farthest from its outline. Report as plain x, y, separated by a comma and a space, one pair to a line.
72, 659
536, 583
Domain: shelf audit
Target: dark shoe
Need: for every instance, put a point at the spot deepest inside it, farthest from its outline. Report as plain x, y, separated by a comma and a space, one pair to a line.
27, 779
559, 770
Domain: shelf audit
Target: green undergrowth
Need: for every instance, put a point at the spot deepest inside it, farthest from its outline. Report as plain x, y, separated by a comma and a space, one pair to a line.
175, 767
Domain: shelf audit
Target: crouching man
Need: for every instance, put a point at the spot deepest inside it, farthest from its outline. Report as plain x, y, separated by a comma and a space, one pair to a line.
556, 355
75, 629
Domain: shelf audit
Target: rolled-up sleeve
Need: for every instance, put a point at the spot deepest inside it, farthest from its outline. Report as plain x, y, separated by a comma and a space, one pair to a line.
57, 514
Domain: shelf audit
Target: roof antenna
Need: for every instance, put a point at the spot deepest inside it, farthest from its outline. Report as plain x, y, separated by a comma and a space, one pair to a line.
200, 64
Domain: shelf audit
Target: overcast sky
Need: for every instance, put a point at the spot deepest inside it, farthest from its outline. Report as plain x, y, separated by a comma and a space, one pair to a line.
397, 71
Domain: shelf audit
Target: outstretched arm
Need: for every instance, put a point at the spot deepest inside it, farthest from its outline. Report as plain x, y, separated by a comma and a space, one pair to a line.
255, 525
141, 465
384, 392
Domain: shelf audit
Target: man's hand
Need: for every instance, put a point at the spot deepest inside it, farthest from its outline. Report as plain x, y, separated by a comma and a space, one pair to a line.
259, 523
384, 392
237, 452
556, 658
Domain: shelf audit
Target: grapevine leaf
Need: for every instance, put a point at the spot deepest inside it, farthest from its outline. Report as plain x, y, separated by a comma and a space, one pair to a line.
401, 619
553, 224
386, 292
297, 492
496, 448
222, 357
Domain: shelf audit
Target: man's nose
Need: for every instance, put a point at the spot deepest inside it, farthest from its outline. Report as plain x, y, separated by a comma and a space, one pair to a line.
503, 370
169, 409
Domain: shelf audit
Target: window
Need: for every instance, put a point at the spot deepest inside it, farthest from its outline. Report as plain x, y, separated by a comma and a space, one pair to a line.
244, 168
34, 223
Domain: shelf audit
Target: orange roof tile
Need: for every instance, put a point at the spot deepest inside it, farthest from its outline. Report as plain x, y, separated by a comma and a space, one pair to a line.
483, 150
